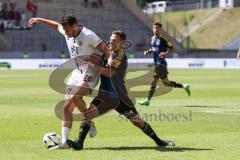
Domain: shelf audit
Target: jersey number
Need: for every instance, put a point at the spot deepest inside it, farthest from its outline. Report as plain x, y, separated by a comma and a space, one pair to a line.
88, 78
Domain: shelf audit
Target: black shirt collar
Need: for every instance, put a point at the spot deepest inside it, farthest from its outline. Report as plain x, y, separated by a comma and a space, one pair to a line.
78, 32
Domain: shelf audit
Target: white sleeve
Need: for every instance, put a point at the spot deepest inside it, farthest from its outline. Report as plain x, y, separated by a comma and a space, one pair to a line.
61, 30
93, 40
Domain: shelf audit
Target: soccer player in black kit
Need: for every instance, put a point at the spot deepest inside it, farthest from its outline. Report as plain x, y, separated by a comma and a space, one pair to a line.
113, 95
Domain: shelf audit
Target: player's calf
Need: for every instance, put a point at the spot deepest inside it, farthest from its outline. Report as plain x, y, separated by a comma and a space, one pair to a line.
137, 121
147, 129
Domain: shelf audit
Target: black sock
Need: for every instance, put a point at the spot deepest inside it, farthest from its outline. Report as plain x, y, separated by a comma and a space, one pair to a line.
83, 131
147, 129
176, 85
151, 92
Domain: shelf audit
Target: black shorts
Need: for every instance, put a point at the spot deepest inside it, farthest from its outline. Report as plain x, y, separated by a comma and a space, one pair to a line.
126, 110
160, 71
114, 103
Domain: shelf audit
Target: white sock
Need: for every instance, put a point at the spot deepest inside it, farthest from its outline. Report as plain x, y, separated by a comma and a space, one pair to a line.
65, 134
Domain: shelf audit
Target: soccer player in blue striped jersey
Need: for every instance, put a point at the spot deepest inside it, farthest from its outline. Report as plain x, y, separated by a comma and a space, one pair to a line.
160, 48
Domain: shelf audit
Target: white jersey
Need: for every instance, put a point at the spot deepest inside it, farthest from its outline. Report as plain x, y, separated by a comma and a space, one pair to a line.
80, 47
84, 44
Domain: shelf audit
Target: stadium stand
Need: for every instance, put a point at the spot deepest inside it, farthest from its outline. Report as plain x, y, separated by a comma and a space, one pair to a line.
102, 19
101, 16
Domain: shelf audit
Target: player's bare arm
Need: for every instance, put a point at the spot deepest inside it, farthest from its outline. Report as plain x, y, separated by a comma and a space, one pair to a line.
50, 23
147, 52
164, 54
103, 48
238, 54
108, 72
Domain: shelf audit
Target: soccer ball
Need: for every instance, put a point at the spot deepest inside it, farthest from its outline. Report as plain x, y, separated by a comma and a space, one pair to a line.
51, 139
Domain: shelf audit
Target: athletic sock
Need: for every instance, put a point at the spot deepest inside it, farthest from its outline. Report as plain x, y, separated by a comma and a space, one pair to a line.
151, 92
176, 85
65, 134
147, 129
83, 131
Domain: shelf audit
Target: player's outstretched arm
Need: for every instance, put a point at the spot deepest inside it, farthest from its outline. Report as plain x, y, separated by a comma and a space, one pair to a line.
51, 24
147, 52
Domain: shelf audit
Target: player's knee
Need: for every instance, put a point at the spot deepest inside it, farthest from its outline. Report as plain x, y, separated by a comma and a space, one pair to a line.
137, 121
76, 97
154, 82
69, 98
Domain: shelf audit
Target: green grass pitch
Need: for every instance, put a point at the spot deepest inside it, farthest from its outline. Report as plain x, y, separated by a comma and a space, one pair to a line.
212, 132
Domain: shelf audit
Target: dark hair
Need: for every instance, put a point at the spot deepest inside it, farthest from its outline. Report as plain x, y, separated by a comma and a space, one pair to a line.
157, 24
68, 20
120, 33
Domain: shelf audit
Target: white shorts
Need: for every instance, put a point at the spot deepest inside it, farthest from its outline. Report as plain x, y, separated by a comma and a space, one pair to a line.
84, 73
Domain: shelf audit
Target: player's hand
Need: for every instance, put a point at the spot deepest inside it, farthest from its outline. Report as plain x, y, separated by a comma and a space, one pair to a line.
94, 58
114, 63
33, 21
163, 54
89, 63
145, 53
110, 61
238, 56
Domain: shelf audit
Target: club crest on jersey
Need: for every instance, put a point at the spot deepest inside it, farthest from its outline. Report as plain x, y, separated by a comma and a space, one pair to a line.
158, 41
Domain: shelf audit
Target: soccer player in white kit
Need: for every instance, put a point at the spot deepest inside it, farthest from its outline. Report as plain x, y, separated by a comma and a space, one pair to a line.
82, 43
